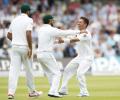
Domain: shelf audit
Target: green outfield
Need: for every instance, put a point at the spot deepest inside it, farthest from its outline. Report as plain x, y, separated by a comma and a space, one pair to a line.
100, 88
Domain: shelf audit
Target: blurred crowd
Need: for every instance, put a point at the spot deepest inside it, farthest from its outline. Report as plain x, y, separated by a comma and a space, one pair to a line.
104, 16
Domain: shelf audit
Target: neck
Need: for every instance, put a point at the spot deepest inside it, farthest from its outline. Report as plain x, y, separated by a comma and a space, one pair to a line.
82, 29
25, 13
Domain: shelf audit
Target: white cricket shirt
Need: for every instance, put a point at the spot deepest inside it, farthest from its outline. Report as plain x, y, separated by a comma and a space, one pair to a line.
18, 28
84, 46
47, 34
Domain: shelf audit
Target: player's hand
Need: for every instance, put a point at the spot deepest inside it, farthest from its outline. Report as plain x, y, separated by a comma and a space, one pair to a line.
60, 40
29, 53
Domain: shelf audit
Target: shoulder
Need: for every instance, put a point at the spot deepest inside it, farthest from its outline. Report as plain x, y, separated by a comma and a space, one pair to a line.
15, 19
88, 31
30, 20
49, 27
26, 18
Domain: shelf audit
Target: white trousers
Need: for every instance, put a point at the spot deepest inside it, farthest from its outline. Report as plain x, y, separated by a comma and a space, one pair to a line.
51, 70
19, 57
79, 66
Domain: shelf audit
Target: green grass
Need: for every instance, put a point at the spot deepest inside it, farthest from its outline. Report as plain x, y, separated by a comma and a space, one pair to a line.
100, 88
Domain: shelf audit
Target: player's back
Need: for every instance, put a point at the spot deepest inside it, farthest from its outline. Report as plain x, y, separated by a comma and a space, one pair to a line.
45, 38
18, 28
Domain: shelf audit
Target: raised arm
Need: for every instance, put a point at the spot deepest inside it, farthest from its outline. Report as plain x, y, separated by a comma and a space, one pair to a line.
59, 32
80, 37
67, 40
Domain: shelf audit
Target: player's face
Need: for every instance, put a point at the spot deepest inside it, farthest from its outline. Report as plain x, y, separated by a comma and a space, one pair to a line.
81, 24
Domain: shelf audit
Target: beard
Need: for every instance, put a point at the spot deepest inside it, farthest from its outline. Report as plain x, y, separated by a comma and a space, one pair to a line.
29, 14
51, 24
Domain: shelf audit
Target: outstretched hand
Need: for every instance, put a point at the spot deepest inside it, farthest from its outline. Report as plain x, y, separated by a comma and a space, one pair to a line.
59, 40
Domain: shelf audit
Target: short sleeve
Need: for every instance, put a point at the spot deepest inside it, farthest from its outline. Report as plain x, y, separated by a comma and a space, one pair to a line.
30, 25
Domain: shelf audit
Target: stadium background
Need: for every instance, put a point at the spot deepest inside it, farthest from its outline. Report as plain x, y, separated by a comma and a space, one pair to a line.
104, 16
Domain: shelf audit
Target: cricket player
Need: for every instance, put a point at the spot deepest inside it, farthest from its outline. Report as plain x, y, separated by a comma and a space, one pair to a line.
20, 35
46, 39
82, 62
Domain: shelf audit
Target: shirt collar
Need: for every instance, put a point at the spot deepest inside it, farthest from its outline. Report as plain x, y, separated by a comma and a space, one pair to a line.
24, 14
47, 25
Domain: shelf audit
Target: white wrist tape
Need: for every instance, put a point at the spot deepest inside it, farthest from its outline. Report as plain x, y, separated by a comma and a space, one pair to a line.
67, 40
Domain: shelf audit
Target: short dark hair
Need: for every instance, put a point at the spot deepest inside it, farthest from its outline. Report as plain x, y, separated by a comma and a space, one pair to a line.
47, 18
86, 20
24, 8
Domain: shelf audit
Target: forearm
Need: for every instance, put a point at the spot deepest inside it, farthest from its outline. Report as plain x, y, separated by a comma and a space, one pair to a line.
29, 39
30, 45
67, 40
74, 40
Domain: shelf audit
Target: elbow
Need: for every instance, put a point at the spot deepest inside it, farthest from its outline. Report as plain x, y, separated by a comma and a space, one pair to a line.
9, 36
